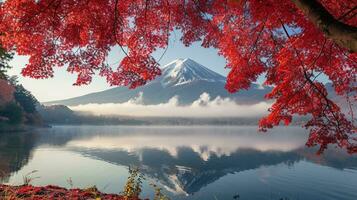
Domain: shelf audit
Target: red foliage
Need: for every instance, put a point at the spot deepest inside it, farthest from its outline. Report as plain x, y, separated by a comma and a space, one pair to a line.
270, 37
6, 92
28, 192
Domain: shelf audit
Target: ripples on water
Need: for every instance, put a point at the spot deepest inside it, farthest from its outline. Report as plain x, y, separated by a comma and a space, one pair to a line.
189, 162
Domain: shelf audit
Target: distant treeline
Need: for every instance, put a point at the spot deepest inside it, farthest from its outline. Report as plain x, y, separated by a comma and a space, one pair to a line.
62, 115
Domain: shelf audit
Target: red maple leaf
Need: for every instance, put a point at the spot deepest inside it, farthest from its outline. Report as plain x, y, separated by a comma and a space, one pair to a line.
291, 42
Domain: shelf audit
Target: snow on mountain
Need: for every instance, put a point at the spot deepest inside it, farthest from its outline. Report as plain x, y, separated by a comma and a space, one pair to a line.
185, 71
182, 78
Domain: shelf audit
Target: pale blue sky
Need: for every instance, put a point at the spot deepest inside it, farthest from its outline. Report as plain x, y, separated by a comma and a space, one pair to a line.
60, 87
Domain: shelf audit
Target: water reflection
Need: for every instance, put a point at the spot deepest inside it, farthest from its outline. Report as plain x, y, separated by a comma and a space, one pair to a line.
184, 160
15, 152
187, 172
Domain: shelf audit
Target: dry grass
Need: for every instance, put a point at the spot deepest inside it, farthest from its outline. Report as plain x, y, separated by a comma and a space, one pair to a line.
28, 192
132, 190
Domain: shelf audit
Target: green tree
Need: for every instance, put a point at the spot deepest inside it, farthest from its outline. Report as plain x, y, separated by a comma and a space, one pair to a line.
13, 112
24, 97
5, 57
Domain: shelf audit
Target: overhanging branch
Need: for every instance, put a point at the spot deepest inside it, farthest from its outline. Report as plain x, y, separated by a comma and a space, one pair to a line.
343, 34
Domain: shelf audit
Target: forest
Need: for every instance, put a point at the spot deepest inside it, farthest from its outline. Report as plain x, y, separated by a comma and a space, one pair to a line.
17, 105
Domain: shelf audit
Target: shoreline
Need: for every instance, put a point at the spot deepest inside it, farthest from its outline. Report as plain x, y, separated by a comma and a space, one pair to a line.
20, 128
29, 192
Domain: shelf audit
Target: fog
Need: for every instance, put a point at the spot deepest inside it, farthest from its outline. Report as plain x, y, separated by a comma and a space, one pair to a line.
204, 106
206, 141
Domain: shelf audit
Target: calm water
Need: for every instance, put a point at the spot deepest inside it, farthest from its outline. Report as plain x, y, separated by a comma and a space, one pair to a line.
189, 162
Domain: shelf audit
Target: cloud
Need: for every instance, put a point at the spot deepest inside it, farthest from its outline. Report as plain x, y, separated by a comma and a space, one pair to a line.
204, 106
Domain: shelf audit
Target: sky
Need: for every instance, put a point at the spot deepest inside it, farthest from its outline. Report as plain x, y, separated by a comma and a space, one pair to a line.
60, 86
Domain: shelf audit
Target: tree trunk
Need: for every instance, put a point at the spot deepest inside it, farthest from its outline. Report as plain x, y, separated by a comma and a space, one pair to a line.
343, 34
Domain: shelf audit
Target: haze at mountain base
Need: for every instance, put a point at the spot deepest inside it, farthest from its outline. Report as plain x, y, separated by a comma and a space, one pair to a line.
184, 79
204, 106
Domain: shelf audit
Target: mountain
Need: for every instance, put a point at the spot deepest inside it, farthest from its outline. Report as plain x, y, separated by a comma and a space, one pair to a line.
183, 78
186, 71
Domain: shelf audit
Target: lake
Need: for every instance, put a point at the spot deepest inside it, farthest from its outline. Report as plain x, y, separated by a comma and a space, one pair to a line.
204, 162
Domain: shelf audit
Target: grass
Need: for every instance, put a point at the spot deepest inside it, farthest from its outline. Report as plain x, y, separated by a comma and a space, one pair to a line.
27, 179
131, 190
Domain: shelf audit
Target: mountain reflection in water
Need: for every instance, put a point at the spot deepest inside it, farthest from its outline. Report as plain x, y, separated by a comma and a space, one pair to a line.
184, 160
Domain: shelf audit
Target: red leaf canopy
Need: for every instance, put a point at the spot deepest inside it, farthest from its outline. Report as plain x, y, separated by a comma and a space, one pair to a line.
290, 42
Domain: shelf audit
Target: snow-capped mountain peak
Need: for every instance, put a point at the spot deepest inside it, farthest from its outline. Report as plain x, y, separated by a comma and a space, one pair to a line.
183, 80
183, 71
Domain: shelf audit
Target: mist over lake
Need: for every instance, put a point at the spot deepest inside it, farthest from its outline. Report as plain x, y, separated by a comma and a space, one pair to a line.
189, 162
182, 134
163, 100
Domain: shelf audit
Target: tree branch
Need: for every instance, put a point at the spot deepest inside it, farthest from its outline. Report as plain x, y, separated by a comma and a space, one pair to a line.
343, 34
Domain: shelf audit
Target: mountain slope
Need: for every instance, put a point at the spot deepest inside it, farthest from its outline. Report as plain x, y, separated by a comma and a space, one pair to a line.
184, 71
183, 78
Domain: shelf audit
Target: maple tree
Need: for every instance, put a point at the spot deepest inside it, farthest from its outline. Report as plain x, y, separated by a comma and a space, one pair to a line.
6, 92
291, 42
